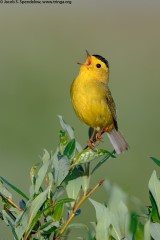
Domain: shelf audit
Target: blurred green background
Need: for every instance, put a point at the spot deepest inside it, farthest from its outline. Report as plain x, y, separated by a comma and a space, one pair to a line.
39, 48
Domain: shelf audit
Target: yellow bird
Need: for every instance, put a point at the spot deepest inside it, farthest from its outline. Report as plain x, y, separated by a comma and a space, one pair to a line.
93, 102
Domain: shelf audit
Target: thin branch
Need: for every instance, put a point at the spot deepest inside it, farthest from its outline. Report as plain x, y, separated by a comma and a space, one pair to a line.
77, 206
11, 202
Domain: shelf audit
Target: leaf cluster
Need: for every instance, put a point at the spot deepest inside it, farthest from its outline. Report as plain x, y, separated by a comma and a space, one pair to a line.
60, 184
115, 221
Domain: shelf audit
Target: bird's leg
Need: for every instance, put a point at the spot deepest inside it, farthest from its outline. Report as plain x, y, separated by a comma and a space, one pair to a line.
106, 129
91, 140
99, 134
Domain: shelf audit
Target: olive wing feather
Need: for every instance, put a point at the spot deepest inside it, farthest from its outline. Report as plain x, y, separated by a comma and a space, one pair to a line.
112, 107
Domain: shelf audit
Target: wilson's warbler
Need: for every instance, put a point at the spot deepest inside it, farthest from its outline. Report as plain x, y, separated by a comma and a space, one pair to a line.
93, 103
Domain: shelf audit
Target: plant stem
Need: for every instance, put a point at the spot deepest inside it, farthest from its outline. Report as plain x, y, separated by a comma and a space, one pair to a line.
87, 169
77, 206
11, 202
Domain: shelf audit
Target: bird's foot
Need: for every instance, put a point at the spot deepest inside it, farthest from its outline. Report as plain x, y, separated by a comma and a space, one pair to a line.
106, 129
91, 144
99, 134
97, 137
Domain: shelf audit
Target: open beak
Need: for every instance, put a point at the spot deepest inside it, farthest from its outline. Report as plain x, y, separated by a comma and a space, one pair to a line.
88, 60
88, 55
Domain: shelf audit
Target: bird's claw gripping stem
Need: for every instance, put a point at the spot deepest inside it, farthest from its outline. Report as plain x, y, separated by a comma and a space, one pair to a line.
97, 137
91, 144
99, 134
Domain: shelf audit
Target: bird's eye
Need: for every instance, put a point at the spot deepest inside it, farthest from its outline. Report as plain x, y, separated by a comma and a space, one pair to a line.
98, 65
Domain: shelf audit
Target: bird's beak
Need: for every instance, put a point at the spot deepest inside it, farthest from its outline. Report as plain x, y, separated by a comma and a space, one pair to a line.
88, 60
88, 55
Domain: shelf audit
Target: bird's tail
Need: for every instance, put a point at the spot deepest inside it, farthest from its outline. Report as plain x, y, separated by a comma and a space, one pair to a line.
118, 141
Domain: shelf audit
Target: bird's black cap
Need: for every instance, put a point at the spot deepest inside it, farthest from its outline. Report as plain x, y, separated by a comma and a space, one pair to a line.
102, 59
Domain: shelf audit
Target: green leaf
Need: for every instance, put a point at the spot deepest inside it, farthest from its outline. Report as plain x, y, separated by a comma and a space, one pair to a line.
1, 216
22, 220
82, 227
133, 222
103, 220
79, 225
50, 184
118, 210
85, 183
70, 149
63, 141
46, 156
34, 221
13, 230
139, 235
58, 211
78, 147
116, 196
7, 217
46, 224
10, 223
50, 227
34, 208
124, 219
66, 127
73, 187
73, 182
12, 212
62, 169
154, 187
157, 161
58, 192
50, 231
104, 159
33, 173
154, 213
120, 221
65, 200
14, 188
147, 231
88, 155
41, 175
155, 230
4, 191
76, 172
55, 164
63, 137
59, 208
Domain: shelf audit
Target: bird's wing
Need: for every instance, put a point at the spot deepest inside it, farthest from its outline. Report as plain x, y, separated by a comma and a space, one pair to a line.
112, 107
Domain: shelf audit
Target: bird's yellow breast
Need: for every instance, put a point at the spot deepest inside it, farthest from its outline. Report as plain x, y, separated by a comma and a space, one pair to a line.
89, 101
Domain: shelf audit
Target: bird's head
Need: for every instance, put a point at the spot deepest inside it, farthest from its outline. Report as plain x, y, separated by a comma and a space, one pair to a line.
95, 67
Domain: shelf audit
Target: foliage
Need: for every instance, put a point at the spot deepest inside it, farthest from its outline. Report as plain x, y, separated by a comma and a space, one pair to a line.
60, 183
